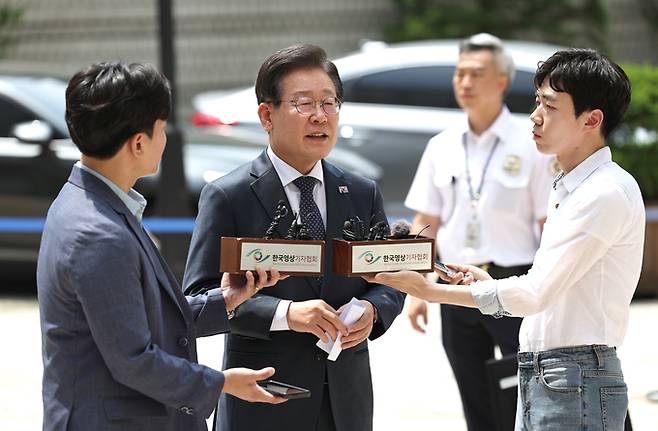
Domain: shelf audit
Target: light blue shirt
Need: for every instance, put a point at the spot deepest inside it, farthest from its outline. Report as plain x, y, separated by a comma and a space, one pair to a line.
135, 202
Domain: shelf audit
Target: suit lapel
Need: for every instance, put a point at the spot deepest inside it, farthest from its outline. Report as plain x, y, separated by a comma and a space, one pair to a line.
339, 203
166, 280
339, 209
162, 271
269, 191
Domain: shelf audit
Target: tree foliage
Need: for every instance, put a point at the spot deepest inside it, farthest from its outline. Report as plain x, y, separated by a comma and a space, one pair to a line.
563, 22
9, 16
649, 9
643, 109
640, 157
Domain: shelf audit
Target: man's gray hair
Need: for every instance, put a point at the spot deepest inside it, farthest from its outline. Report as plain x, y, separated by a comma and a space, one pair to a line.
489, 42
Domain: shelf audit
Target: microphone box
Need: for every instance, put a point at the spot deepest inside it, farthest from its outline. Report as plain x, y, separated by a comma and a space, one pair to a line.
357, 258
289, 256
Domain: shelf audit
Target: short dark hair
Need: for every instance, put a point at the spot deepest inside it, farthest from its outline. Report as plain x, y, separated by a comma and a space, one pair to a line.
107, 103
592, 80
286, 60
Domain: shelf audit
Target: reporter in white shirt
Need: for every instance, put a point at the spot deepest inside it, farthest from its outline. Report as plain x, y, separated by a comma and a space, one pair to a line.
575, 299
481, 190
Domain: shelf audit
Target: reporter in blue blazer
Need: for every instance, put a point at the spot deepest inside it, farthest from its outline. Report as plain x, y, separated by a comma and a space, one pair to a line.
118, 335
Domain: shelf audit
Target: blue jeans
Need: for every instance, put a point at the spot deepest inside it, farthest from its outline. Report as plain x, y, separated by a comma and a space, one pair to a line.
572, 388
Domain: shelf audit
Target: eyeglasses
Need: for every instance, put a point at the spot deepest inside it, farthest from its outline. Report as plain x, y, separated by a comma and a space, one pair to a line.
308, 106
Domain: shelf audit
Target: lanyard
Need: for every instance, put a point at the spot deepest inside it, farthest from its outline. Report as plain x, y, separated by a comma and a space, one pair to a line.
476, 196
557, 180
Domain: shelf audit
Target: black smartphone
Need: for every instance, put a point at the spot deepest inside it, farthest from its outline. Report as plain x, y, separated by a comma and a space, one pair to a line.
284, 390
444, 269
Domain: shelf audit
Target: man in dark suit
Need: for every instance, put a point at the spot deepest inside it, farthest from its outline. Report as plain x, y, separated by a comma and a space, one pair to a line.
299, 94
118, 335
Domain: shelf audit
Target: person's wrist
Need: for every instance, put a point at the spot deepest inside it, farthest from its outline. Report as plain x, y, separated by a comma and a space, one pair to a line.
290, 314
439, 292
230, 303
375, 313
228, 382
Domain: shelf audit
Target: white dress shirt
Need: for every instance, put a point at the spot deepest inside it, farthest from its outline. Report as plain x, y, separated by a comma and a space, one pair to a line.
588, 263
287, 174
514, 194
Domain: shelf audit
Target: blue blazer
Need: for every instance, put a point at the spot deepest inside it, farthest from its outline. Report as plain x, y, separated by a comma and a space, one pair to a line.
119, 349
242, 203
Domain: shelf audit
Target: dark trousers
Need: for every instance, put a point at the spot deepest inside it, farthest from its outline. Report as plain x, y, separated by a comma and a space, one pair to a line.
326, 419
469, 338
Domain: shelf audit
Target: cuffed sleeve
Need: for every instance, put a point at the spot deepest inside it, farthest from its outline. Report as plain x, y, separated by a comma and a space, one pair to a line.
485, 295
280, 320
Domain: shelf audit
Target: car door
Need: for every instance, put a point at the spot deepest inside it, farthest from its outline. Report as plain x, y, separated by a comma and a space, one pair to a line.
388, 117
30, 176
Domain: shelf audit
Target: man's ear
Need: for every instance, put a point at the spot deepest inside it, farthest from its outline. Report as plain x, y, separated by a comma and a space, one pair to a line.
265, 116
135, 144
503, 84
594, 120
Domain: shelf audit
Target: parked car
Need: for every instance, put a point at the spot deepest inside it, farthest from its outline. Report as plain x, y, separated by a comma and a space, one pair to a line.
395, 98
36, 156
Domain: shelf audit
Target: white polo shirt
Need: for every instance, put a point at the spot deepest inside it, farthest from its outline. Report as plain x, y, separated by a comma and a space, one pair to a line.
587, 267
514, 193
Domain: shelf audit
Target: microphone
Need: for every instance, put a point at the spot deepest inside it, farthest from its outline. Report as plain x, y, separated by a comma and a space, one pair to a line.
400, 229
280, 212
379, 231
282, 208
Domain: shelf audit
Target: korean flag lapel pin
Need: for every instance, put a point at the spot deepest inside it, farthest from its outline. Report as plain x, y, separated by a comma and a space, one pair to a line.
343, 190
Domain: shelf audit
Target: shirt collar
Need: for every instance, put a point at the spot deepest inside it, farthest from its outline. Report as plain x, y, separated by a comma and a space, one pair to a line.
585, 168
135, 202
288, 174
499, 128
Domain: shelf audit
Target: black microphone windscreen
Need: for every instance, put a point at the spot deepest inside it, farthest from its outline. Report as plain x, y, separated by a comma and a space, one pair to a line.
400, 229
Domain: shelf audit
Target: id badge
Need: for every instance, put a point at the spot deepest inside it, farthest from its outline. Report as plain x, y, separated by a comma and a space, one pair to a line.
472, 234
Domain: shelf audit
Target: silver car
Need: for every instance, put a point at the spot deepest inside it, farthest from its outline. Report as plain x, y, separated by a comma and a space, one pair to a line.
396, 98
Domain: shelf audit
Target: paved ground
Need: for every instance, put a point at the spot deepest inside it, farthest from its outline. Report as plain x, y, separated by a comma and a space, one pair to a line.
414, 389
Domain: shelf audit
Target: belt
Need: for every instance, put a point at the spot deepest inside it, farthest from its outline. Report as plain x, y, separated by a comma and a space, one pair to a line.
485, 266
497, 271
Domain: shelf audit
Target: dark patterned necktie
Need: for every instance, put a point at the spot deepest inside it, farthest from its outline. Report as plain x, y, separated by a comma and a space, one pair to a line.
308, 210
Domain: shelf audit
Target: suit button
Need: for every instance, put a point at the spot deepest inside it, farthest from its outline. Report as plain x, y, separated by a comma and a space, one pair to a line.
187, 410
182, 341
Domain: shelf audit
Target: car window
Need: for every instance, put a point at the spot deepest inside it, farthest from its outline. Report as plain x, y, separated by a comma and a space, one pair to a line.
12, 114
414, 86
429, 86
50, 95
521, 97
